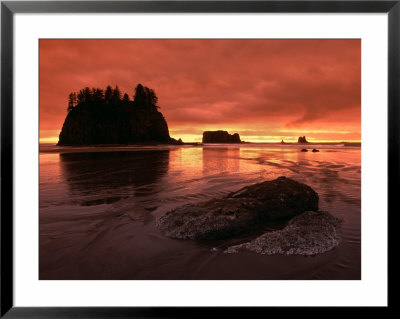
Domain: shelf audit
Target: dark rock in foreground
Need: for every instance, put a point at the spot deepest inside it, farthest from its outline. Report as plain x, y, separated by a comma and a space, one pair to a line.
239, 211
315, 150
220, 137
304, 150
302, 139
310, 233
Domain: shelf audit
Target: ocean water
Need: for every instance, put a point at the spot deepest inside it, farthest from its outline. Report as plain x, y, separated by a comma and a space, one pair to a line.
98, 207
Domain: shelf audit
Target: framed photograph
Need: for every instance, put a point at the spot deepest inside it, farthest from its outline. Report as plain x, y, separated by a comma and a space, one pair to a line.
173, 158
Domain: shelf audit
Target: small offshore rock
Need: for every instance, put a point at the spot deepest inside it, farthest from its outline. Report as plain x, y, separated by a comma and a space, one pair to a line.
302, 140
307, 234
220, 137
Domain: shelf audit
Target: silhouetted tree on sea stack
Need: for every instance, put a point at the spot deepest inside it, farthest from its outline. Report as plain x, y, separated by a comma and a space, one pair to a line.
126, 98
116, 95
108, 94
145, 97
140, 95
98, 94
72, 101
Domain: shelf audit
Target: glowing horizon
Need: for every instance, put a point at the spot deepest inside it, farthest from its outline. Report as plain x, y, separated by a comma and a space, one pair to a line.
198, 139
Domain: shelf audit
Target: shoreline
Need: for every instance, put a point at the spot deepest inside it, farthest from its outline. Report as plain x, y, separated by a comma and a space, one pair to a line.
200, 143
53, 148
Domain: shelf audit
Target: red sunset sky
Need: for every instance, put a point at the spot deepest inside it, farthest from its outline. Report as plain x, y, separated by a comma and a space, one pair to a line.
265, 90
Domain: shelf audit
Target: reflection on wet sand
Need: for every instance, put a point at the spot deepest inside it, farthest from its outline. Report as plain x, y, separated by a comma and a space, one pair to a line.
221, 160
95, 173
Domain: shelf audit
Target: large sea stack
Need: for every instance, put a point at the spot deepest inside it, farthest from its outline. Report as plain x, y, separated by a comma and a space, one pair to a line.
220, 137
103, 117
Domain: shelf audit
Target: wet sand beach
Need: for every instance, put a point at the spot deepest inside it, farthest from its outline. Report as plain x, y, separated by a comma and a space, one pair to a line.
98, 207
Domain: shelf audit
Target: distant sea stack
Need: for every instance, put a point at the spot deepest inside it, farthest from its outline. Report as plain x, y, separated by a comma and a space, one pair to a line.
220, 137
302, 139
97, 116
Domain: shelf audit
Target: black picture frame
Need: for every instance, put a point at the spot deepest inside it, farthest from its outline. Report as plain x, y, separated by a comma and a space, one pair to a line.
9, 8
